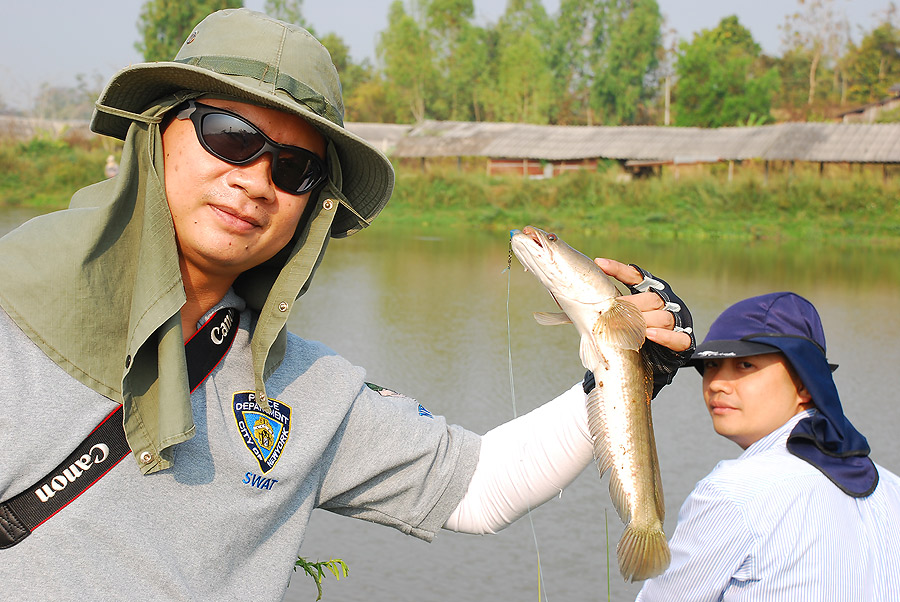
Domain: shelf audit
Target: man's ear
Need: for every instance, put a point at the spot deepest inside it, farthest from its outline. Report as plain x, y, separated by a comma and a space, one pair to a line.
804, 394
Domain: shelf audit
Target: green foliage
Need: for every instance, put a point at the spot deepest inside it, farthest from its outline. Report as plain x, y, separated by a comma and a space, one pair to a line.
468, 74
721, 81
406, 53
460, 51
522, 91
68, 102
316, 570
874, 66
793, 71
289, 11
164, 25
622, 86
845, 208
353, 75
892, 116
575, 46
815, 35
44, 172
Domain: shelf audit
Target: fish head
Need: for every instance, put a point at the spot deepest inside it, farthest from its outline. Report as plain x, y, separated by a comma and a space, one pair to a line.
565, 272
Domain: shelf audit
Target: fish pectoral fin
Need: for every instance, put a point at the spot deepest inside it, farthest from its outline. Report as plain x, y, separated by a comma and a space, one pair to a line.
551, 319
622, 326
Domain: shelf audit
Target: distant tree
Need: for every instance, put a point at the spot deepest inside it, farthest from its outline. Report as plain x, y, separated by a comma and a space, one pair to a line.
352, 74
624, 83
523, 81
469, 73
460, 57
369, 102
290, 11
817, 35
165, 24
721, 79
576, 44
68, 102
405, 51
793, 71
874, 66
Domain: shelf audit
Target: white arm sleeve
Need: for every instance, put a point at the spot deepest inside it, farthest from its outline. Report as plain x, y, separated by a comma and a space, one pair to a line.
524, 463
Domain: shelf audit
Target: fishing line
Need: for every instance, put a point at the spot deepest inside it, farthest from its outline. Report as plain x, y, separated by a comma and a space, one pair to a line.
606, 521
512, 390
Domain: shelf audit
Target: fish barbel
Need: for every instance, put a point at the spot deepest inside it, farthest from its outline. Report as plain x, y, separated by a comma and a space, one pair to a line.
612, 333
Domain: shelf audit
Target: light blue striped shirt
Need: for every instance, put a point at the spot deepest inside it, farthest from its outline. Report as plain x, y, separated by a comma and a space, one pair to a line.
770, 527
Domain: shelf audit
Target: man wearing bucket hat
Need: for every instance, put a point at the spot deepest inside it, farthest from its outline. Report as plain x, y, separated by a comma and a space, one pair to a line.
161, 434
803, 513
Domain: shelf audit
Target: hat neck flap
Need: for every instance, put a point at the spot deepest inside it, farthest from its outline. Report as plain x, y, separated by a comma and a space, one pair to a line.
827, 440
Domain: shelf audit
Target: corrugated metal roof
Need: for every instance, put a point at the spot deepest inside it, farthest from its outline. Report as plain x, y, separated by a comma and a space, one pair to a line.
815, 142
837, 142
384, 136
828, 142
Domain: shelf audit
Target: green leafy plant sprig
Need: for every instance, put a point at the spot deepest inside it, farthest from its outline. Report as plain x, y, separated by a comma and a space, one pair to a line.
316, 570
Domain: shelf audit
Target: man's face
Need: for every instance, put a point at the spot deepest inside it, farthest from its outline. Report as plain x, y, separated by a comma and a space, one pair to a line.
749, 397
230, 218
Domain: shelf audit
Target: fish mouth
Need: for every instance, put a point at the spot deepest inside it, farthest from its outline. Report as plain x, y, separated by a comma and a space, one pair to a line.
539, 237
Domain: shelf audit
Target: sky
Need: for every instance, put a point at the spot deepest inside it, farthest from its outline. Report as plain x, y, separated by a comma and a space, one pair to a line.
55, 40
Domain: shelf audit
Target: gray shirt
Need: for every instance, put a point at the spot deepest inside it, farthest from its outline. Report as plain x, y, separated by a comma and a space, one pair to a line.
229, 517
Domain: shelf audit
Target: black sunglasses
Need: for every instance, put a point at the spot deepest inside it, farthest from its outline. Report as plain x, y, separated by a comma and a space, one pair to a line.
235, 140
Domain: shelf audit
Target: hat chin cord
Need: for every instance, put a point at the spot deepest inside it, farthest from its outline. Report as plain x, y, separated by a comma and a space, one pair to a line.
128, 114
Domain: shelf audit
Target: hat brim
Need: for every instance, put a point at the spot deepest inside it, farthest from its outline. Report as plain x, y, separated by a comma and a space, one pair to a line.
727, 349
367, 175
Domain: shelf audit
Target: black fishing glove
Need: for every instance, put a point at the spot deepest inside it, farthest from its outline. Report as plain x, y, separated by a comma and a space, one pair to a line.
665, 361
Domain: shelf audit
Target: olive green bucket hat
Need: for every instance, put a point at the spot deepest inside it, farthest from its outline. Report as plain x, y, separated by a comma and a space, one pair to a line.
249, 56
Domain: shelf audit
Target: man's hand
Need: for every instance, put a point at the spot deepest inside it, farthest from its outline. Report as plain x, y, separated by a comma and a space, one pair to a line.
660, 322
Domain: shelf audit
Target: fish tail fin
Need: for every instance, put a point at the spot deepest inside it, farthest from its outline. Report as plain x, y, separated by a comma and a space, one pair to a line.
643, 553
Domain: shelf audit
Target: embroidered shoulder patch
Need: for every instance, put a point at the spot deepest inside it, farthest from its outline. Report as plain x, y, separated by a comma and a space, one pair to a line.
388, 393
264, 433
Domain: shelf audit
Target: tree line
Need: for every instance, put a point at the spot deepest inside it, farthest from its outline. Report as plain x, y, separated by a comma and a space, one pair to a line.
592, 62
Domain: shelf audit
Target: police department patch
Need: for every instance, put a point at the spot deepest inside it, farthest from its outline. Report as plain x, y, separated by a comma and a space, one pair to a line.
264, 433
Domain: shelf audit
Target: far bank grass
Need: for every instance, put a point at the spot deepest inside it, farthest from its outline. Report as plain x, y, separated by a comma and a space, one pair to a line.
846, 207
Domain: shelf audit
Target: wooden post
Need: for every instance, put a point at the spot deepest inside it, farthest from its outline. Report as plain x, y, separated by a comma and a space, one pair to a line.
730, 171
766, 178
821, 168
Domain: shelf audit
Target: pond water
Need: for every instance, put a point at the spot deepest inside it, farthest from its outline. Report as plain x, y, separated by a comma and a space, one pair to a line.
427, 315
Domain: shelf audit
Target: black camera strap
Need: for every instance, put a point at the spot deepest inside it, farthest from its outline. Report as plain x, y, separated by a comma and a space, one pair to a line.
106, 446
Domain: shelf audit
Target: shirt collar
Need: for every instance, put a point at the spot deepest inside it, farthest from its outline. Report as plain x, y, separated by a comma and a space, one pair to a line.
778, 437
231, 299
